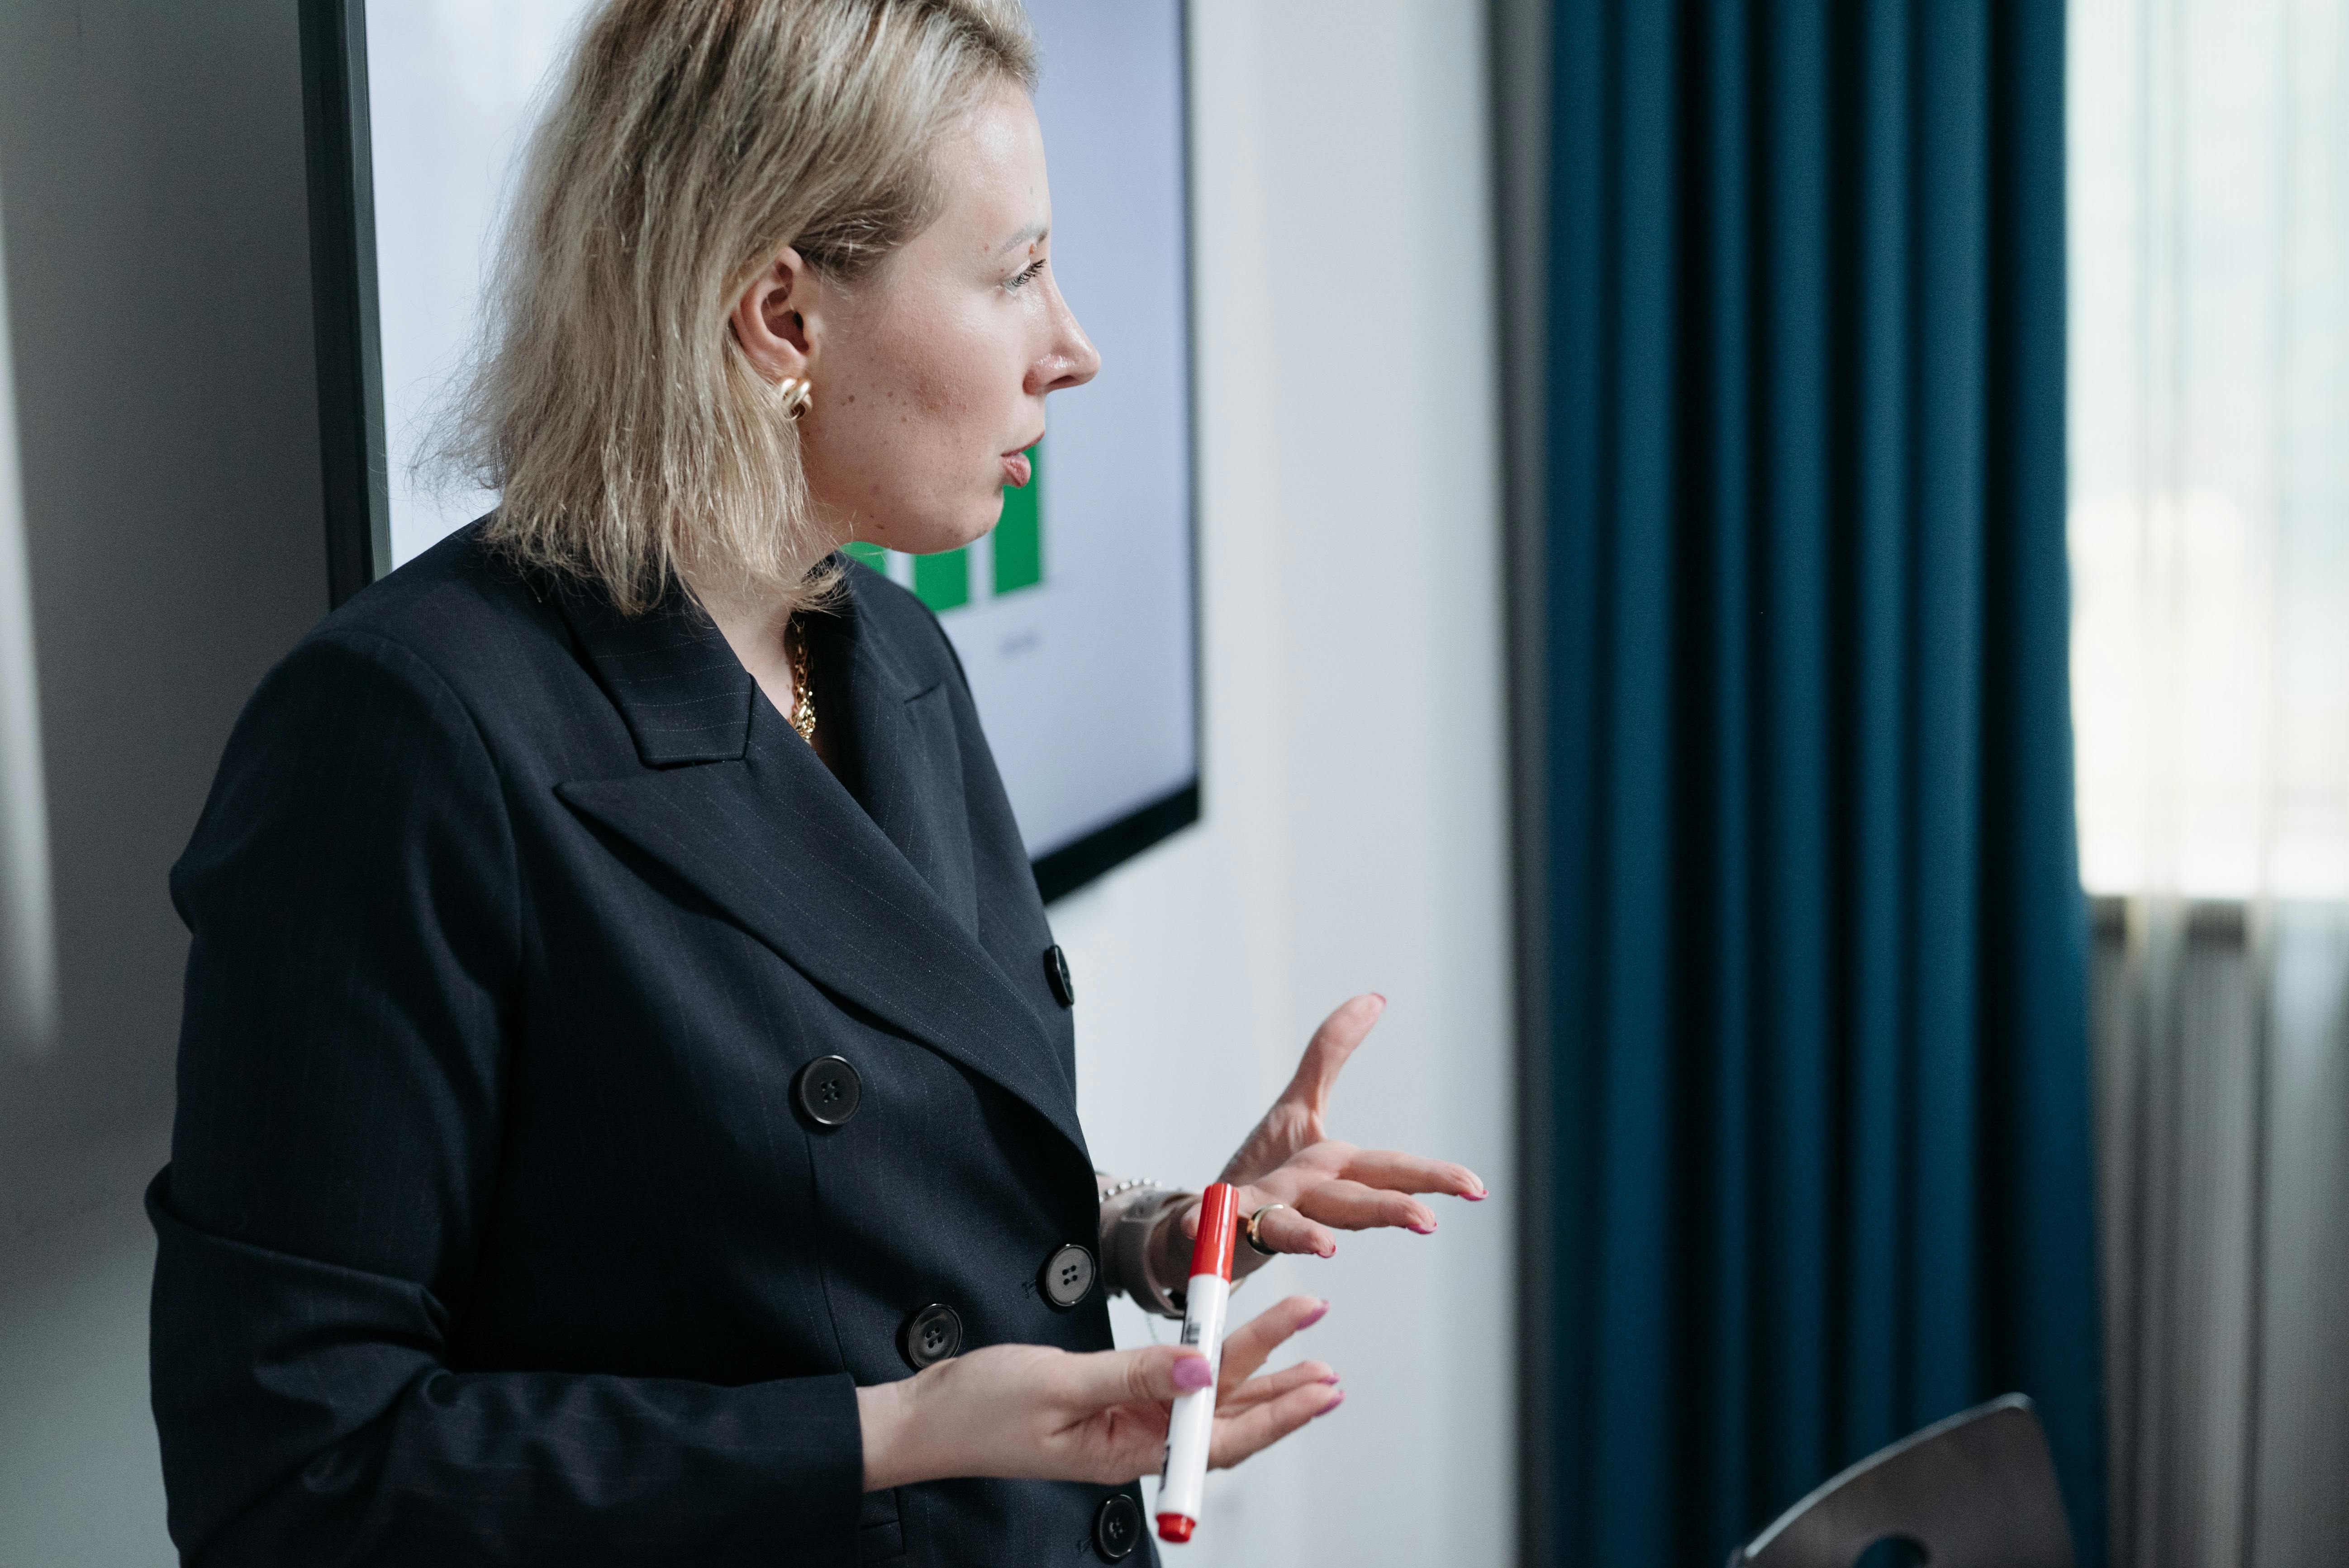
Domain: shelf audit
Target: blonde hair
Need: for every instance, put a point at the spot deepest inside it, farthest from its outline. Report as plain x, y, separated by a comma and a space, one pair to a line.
689, 143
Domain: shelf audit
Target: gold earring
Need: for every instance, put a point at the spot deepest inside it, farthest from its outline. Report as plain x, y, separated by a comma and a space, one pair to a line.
799, 396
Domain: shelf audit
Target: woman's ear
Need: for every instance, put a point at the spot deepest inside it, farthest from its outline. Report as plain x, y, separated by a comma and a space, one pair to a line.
774, 319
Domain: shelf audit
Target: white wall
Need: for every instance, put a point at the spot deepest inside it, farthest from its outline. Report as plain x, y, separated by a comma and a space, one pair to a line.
1354, 834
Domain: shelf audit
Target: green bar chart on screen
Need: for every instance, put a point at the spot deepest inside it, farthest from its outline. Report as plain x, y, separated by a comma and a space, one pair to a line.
1016, 551
943, 581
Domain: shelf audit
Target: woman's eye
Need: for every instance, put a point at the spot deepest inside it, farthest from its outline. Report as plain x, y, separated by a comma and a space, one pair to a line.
1026, 274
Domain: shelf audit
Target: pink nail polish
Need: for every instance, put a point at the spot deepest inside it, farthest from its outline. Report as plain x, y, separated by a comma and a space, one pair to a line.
1336, 1400
1314, 1317
1192, 1373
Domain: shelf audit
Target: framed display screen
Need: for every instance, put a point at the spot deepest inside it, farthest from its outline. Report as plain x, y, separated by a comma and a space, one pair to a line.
1076, 618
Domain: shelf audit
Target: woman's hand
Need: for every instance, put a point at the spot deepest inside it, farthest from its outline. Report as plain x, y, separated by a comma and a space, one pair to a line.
1253, 1413
1327, 1184
1025, 1410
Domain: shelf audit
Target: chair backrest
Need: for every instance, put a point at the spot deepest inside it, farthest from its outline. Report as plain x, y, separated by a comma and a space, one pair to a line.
1977, 1491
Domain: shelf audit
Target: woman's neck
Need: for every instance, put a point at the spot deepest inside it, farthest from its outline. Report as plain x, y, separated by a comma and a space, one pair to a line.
760, 636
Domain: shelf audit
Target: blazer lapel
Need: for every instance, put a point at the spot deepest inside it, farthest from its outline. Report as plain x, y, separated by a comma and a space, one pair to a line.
908, 763
744, 811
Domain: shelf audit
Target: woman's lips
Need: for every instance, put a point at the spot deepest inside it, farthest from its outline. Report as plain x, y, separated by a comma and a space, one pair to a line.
1016, 470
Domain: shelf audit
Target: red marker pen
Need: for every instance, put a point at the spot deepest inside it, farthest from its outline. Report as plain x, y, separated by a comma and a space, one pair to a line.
1185, 1475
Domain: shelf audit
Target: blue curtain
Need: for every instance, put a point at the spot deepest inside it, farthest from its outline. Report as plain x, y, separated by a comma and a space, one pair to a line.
1817, 1069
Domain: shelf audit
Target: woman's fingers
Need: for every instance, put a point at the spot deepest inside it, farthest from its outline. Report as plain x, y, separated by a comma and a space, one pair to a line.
1272, 1385
1155, 1375
1325, 1053
1389, 1169
1282, 1230
1400, 1173
1295, 1117
1285, 1230
1308, 1213
1260, 1426
1351, 1206
1248, 1348
1025, 1410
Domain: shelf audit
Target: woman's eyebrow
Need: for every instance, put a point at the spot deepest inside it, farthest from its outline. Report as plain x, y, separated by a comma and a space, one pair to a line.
1027, 236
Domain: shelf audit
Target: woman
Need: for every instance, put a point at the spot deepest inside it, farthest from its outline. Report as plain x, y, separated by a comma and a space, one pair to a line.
622, 1041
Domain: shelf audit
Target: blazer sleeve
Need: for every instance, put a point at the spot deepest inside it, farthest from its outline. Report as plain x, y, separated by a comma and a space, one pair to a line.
353, 895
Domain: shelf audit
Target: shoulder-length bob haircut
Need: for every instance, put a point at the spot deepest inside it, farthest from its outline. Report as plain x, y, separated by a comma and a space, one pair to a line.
688, 143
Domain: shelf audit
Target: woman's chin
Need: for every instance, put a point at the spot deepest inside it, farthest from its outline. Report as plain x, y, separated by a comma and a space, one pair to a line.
943, 535
980, 524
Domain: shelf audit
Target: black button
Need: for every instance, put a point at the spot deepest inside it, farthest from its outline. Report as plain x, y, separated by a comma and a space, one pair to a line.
1056, 976
930, 1335
1117, 1527
829, 1090
1068, 1275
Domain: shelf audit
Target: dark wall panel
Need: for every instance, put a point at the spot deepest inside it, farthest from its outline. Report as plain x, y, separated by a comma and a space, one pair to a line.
152, 170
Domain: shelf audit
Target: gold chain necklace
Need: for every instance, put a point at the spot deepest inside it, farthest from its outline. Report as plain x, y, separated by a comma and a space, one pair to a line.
803, 704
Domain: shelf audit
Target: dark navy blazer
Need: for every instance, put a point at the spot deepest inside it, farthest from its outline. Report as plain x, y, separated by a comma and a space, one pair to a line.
492, 1232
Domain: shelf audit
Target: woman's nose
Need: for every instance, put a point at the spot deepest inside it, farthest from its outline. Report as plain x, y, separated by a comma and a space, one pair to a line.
1074, 360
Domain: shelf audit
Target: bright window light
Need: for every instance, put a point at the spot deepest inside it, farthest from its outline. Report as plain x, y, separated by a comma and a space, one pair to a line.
2210, 445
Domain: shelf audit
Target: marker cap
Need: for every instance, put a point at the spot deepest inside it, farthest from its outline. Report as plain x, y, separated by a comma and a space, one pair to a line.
1175, 1527
1218, 1223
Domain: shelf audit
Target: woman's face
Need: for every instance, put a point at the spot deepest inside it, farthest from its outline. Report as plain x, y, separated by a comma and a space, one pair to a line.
929, 375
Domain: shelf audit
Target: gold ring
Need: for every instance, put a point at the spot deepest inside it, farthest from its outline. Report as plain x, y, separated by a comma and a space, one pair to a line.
1256, 1219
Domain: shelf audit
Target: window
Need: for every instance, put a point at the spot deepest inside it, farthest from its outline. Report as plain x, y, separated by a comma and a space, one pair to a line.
2209, 446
